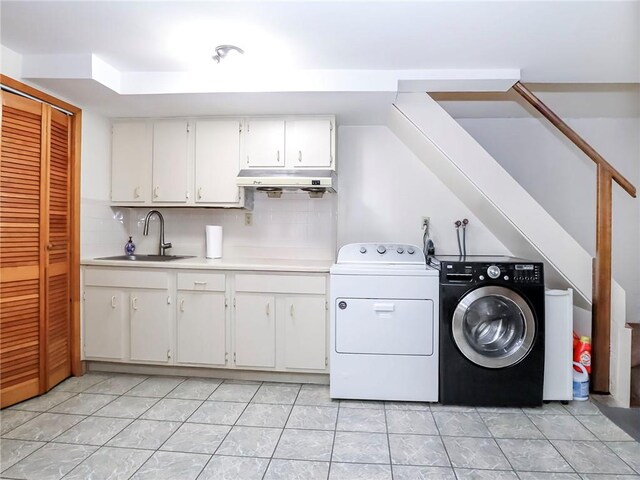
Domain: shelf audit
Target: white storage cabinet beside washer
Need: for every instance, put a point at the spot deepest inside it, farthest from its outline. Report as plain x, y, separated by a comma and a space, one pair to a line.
384, 324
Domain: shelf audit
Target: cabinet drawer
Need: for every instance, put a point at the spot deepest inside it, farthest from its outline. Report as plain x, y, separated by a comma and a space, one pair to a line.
103, 277
281, 284
205, 282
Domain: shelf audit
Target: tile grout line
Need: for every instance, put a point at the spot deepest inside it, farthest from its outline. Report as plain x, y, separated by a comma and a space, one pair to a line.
444, 446
386, 428
335, 432
281, 433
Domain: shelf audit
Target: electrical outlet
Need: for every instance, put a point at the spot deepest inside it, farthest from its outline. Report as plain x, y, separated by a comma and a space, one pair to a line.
425, 222
248, 219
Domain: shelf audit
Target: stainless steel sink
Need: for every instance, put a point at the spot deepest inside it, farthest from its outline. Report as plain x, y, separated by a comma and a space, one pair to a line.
146, 258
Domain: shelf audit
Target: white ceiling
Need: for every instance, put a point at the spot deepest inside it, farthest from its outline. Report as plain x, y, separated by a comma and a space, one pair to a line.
92, 52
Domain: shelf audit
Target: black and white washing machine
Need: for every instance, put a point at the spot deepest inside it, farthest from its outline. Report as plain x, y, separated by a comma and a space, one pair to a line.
491, 331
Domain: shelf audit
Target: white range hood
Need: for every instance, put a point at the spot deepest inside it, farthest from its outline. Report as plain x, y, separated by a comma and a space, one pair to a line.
274, 181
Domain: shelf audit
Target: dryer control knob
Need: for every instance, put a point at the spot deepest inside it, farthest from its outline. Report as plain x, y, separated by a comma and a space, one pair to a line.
493, 271
382, 249
363, 250
481, 277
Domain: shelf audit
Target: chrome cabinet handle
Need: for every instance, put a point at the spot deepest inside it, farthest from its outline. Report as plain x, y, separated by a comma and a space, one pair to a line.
291, 310
155, 192
197, 282
299, 155
199, 193
136, 192
113, 301
134, 303
182, 305
268, 309
278, 156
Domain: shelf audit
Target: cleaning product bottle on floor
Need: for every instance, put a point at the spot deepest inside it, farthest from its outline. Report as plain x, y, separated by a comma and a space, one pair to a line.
580, 382
582, 353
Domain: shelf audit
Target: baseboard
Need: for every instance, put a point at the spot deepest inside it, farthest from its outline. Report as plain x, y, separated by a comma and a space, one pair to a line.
227, 374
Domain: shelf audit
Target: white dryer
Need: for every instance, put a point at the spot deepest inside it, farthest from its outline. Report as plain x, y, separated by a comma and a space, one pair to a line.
384, 324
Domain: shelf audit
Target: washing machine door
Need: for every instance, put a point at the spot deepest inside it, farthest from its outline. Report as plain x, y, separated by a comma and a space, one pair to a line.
493, 327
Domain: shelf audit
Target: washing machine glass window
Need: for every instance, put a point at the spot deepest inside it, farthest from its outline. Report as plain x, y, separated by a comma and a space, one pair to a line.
493, 327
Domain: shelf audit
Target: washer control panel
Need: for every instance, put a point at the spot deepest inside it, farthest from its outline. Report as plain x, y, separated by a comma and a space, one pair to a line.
381, 253
496, 272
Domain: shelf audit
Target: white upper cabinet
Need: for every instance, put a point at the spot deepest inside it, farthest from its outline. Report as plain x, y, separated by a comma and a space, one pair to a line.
264, 143
170, 153
217, 161
310, 143
131, 156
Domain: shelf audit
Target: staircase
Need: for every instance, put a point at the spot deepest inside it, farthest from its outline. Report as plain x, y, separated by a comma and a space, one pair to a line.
511, 213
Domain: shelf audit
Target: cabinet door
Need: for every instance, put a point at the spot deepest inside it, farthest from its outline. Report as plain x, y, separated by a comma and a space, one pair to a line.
131, 152
255, 332
310, 143
150, 326
200, 328
103, 319
217, 161
170, 151
305, 327
264, 143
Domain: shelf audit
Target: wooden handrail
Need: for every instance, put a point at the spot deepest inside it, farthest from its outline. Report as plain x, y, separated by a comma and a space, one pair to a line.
601, 308
574, 137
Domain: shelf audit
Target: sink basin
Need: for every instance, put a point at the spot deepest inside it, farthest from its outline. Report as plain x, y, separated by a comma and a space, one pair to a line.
146, 258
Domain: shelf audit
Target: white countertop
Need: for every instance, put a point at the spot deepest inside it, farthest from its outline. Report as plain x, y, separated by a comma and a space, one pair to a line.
231, 263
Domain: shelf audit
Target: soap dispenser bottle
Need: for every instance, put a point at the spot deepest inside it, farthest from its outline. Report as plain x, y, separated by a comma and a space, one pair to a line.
129, 247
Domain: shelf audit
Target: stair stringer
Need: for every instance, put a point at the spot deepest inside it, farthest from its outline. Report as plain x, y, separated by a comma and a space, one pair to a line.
473, 175
523, 226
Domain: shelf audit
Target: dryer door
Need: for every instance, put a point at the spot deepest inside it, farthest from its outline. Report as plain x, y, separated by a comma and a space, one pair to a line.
494, 327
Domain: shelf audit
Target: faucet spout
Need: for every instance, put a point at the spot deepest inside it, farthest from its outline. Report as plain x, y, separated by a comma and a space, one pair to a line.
162, 245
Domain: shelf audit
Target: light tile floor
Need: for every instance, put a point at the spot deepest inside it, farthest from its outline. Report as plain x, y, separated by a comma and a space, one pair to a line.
110, 426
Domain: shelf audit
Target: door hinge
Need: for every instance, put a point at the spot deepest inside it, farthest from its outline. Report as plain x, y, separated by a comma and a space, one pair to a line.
234, 358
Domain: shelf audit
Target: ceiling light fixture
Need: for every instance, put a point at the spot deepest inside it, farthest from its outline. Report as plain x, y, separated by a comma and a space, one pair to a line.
223, 50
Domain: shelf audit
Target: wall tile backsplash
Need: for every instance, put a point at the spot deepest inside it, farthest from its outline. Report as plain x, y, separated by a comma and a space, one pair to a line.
294, 226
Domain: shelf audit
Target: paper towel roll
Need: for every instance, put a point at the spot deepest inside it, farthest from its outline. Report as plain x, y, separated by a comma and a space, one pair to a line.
214, 241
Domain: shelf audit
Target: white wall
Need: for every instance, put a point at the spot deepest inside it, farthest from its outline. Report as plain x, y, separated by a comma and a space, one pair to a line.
562, 179
384, 190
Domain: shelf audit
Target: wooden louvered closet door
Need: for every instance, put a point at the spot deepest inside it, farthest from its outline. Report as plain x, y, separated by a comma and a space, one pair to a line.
34, 248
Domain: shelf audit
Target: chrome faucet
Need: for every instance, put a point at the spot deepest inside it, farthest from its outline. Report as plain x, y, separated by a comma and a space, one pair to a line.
162, 247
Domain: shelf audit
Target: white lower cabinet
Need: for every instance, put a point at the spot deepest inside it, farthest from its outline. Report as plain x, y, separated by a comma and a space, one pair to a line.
305, 333
150, 326
278, 322
200, 328
254, 330
105, 310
